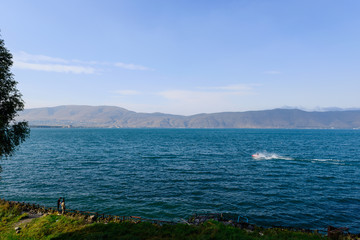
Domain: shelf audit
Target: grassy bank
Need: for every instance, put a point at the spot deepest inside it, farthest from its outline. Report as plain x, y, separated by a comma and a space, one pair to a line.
54, 226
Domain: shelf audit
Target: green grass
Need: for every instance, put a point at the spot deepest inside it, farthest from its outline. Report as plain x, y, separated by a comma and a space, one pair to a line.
9, 215
66, 227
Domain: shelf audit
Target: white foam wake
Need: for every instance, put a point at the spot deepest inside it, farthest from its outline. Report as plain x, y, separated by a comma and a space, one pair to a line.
269, 156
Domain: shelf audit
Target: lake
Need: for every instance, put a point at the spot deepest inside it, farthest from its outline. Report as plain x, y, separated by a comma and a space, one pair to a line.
301, 178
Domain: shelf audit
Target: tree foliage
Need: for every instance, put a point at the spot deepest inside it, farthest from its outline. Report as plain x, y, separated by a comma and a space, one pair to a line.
12, 133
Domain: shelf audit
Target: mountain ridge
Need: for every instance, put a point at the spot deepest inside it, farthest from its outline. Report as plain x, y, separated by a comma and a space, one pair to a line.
117, 117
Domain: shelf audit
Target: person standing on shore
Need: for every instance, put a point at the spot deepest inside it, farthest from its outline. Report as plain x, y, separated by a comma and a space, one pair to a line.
58, 204
63, 206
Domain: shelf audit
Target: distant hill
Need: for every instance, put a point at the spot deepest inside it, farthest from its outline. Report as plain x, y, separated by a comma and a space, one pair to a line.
116, 117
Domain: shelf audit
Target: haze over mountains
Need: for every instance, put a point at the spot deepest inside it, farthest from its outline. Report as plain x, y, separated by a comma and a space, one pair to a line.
116, 117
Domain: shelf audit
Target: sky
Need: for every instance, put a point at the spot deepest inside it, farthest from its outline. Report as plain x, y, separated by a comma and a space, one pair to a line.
185, 56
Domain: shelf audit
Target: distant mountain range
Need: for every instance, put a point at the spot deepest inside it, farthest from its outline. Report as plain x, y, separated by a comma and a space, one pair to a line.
116, 117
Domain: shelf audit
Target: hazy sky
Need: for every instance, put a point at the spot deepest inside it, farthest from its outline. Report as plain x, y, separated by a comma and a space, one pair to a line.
185, 56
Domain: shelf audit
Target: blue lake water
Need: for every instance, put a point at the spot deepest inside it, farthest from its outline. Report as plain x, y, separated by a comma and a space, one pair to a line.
302, 178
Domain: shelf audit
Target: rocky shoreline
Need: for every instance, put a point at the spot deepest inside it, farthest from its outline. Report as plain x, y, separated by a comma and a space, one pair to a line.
37, 211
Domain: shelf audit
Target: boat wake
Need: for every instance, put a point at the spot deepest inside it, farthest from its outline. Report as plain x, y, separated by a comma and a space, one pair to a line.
327, 161
269, 156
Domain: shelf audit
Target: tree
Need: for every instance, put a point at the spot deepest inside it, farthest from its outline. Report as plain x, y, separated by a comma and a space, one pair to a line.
12, 133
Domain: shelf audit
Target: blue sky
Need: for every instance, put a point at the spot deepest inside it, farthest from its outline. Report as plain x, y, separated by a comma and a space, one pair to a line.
185, 56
